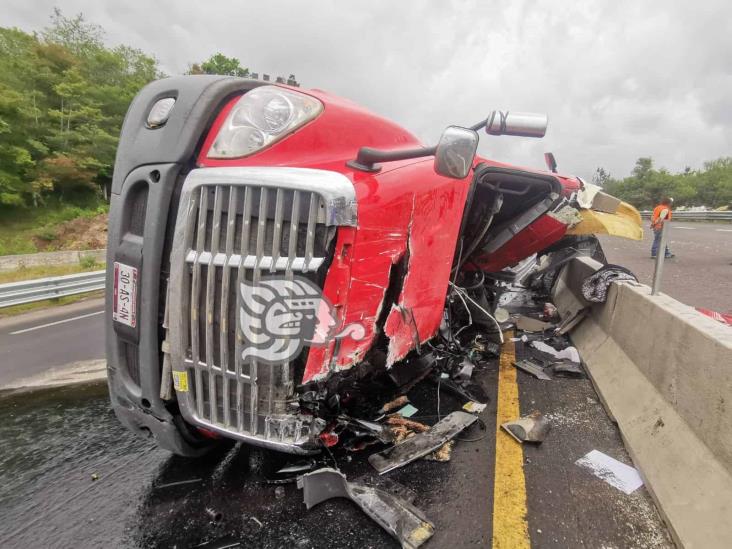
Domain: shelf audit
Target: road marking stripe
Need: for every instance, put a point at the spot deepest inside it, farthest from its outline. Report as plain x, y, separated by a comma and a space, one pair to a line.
687, 228
510, 529
55, 323
723, 230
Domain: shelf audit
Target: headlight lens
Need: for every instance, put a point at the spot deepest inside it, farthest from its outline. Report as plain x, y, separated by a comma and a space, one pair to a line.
261, 117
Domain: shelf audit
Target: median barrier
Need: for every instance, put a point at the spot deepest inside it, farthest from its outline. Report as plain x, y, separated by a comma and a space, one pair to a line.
664, 373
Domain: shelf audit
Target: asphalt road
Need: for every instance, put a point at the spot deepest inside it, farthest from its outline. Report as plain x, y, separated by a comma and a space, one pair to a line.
54, 443
41, 341
701, 273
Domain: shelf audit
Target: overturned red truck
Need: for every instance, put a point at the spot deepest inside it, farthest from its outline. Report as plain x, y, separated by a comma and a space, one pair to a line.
277, 256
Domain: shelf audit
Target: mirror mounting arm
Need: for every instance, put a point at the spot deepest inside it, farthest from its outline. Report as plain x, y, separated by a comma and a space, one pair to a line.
367, 158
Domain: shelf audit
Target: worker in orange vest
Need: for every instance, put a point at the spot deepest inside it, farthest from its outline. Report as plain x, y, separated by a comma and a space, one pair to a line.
661, 214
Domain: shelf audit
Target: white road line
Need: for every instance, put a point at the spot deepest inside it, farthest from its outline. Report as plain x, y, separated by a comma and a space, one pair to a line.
687, 228
55, 323
723, 230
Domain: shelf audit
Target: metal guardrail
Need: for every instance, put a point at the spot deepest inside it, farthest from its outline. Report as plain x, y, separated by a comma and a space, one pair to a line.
696, 216
28, 291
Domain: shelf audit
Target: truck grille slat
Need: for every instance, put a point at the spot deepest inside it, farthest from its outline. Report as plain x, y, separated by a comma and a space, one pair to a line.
234, 233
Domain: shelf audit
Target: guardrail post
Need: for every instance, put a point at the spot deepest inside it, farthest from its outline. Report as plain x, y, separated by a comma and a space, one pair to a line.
660, 257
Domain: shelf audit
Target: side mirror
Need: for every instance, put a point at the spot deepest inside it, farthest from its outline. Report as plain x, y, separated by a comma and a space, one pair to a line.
523, 124
455, 152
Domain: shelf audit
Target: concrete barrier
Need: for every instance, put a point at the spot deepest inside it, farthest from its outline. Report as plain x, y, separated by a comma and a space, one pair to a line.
664, 373
13, 262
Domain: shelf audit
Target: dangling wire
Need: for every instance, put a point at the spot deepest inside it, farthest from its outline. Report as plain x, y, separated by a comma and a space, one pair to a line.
460, 291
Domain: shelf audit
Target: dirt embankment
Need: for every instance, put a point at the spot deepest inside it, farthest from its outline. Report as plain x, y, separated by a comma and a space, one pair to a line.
83, 233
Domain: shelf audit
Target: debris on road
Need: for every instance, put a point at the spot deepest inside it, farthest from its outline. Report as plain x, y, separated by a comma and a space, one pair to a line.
474, 407
298, 467
421, 444
566, 368
398, 517
568, 353
531, 428
407, 411
532, 368
623, 477
528, 324
595, 286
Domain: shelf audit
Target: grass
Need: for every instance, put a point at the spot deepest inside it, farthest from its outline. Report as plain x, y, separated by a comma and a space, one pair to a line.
19, 226
28, 307
42, 271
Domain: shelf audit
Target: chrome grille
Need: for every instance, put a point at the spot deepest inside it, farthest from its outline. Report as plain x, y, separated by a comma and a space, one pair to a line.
228, 233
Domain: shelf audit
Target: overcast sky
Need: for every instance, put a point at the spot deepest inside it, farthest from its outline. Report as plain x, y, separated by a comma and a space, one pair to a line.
618, 79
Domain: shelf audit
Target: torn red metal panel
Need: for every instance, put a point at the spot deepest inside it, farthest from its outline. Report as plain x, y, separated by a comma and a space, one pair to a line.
393, 207
433, 235
541, 233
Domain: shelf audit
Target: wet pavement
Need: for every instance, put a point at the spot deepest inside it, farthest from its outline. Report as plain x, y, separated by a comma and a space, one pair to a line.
54, 443
701, 273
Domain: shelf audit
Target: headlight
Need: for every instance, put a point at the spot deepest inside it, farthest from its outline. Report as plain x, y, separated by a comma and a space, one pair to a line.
261, 117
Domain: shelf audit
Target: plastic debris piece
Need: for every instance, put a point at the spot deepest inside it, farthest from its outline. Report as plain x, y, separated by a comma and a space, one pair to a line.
398, 517
422, 444
298, 467
623, 477
528, 324
566, 368
570, 353
407, 411
466, 370
531, 428
394, 404
279, 492
501, 314
532, 368
474, 407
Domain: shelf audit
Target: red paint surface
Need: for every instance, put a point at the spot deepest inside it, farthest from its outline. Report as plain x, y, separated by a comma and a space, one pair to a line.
541, 233
406, 214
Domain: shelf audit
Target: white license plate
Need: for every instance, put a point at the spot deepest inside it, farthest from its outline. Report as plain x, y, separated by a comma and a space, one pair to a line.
124, 308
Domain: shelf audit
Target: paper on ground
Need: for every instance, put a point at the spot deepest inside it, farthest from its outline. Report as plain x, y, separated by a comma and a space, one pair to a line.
623, 477
408, 411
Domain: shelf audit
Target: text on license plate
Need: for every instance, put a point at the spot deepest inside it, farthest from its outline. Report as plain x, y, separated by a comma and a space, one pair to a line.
124, 305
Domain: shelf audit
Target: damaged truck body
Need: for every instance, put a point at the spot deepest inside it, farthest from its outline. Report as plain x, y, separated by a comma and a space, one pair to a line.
283, 262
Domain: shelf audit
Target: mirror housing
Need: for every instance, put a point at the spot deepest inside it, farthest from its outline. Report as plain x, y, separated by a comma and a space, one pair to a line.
523, 124
455, 152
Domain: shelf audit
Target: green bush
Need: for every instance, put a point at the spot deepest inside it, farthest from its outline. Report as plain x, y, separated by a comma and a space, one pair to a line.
87, 261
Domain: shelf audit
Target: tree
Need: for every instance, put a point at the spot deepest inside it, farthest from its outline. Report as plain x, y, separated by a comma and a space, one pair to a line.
601, 178
711, 186
219, 64
63, 96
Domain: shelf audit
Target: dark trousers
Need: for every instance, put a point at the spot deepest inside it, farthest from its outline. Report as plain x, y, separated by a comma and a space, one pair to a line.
657, 243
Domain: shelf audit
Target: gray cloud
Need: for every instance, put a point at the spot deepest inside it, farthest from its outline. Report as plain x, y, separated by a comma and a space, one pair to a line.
618, 79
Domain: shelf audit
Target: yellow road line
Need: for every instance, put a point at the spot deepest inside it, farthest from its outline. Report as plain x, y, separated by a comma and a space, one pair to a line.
510, 529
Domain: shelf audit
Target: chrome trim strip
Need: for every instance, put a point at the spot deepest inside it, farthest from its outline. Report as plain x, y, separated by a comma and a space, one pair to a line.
214, 211
334, 188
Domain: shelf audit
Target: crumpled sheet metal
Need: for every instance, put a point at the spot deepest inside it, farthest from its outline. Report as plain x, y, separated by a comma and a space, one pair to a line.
400, 518
531, 428
422, 444
625, 222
